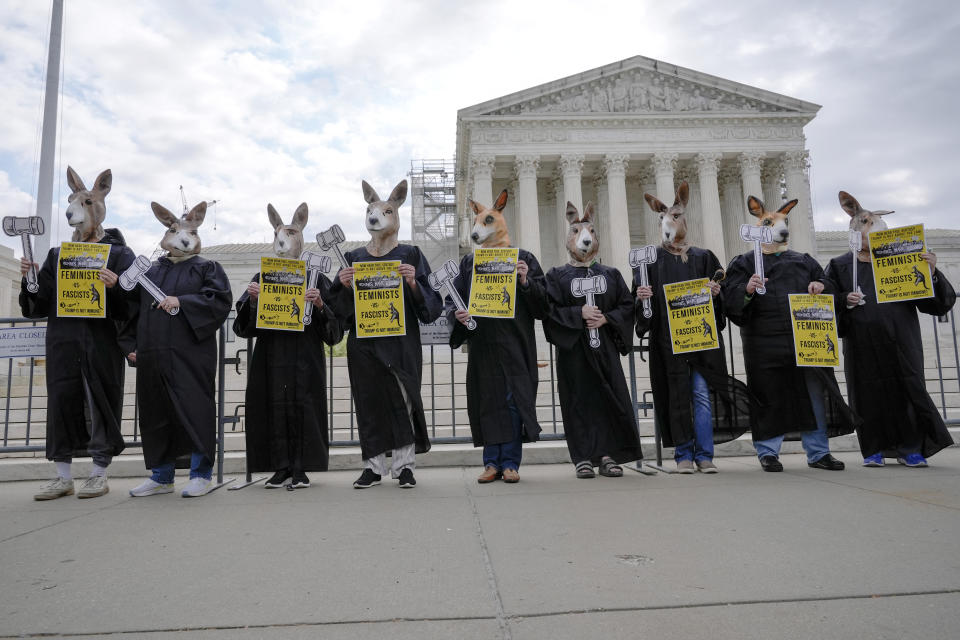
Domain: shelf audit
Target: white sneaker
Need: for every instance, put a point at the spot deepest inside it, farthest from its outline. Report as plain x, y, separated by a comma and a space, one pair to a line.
56, 488
93, 487
150, 488
196, 487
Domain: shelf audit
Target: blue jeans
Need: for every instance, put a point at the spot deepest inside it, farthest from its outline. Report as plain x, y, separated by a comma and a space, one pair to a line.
200, 467
508, 454
815, 443
701, 447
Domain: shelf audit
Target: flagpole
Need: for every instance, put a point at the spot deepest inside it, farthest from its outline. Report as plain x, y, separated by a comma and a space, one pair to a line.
48, 141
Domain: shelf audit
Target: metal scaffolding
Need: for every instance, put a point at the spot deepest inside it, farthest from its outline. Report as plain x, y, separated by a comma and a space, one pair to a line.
434, 209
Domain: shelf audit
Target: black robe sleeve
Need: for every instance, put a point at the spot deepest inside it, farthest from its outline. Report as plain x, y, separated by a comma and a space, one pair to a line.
734, 289
37, 305
620, 317
245, 323
564, 323
943, 298
427, 303
207, 309
535, 291
459, 334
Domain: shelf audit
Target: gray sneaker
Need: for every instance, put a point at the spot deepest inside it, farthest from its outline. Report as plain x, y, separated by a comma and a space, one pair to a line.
54, 489
93, 487
685, 467
707, 466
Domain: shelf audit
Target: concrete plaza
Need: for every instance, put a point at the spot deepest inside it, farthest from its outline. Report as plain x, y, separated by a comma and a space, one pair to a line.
863, 553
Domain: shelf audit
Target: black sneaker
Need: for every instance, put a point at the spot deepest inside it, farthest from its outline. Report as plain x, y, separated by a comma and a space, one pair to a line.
770, 463
406, 479
366, 480
300, 480
278, 479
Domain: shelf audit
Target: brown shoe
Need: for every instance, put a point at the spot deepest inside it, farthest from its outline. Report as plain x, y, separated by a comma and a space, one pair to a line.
489, 475
511, 475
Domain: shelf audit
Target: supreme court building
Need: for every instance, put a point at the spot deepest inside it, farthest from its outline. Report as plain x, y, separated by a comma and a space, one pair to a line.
639, 125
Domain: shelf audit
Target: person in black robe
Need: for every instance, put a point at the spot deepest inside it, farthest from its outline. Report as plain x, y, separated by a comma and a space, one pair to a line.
176, 358
286, 395
883, 355
85, 372
385, 372
790, 400
502, 356
599, 419
696, 404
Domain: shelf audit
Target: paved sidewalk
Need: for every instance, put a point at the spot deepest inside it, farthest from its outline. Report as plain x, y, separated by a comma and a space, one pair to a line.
863, 553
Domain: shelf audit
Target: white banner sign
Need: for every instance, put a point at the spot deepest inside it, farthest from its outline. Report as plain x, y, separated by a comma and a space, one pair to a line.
23, 342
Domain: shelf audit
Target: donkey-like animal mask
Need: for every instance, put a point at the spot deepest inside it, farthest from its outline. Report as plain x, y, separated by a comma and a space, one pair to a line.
87, 208
489, 225
181, 239
288, 238
673, 221
583, 244
383, 218
862, 220
777, 220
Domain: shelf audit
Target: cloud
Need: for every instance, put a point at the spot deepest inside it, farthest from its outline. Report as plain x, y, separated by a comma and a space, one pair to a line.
288, 101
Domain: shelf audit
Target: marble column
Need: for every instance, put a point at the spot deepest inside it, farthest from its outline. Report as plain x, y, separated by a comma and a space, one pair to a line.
751, 164
559, 218
602, 220
571, 171
663, 168
527, 207
801, 217
689, 172
771, 175
732, 210
481, 168
617, 233
708, 164
651, 222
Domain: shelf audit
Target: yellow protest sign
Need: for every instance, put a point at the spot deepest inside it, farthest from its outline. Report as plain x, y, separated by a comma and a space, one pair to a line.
282, 294
80, 291
814, 330
493, 288
693, 327
378, 299
899, 273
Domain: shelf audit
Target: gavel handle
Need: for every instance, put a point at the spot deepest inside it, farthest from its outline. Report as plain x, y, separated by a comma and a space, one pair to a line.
32, 285
458, 303
645, 282
758, 267
594, 333
312, 277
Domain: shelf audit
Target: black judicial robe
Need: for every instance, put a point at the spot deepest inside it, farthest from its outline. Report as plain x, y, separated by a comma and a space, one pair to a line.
883, 360
598, 414
670, 374
502, 358
286, 396
84, 362
383, 422
782, 404
177, 359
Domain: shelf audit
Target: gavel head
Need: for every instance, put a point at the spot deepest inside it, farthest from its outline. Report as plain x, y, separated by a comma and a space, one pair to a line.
15, 225
753, 233
444, 274
643, 255
128, 279
316, 262
333, 235
580, 287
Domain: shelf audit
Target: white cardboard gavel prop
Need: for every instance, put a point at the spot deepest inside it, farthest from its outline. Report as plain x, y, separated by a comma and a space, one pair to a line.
586, 288
443, 278
757, 235
640, 258
137, 274
26, 227
316, 264
856, 244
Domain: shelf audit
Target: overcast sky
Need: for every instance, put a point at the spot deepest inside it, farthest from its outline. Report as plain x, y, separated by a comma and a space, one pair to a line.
288, 101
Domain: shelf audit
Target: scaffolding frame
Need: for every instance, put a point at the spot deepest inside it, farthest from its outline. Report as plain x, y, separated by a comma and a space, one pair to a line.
434, 209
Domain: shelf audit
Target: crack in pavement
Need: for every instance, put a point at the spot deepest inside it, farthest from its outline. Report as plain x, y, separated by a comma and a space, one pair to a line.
505, 618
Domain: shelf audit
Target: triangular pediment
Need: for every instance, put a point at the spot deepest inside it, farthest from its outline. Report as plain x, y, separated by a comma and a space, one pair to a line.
641, 85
